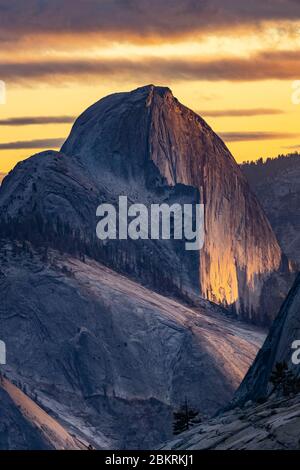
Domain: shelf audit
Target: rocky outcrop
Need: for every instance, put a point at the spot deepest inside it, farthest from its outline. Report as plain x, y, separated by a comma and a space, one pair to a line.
149, 147
259, 417
270, 426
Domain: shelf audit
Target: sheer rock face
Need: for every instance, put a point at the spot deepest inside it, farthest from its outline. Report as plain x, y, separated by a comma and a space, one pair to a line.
125, 132
277, 348
147, 146
240, 248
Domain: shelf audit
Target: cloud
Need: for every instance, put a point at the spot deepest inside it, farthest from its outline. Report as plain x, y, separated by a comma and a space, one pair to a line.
259, 135
33, 144
292, 147
139, 18
227, 136
284, 65
240, 112
29, 121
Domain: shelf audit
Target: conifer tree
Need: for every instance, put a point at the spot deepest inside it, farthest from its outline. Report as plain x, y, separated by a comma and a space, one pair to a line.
185, 418
284, 380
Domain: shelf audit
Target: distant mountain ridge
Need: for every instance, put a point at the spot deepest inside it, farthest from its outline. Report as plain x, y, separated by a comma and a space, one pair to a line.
276, 183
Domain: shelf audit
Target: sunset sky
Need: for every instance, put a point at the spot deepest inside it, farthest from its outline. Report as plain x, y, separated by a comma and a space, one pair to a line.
233, 62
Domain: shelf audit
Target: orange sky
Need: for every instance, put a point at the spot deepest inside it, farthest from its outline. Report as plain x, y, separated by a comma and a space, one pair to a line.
239, 79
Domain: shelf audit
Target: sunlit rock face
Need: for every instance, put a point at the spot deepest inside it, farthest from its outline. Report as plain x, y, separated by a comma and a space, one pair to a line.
22, 435
240, 248
26, 426
123, 135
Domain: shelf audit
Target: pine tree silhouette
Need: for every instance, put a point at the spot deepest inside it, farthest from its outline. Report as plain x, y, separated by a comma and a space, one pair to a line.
284, 380
185, 418
278, 375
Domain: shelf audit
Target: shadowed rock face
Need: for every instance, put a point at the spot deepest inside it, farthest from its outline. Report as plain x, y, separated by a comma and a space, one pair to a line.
277, 348
146, 145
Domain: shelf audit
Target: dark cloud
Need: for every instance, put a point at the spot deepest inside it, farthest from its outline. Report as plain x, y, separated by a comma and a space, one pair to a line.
262, 66
248, 136
33, 144
240, 112
29, 121
138, 18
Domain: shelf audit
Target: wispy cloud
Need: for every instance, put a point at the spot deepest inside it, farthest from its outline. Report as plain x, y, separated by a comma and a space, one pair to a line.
240, 112
283, 65
227, 136
29, 121
259, 135
33, 144
292, 147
